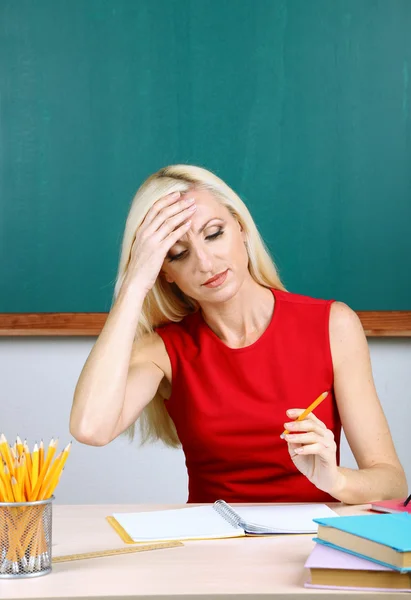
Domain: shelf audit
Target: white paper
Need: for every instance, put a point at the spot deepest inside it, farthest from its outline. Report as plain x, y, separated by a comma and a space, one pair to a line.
177, 524
294, 518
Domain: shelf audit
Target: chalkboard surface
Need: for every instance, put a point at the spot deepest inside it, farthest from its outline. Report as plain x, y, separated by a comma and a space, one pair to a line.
303, 107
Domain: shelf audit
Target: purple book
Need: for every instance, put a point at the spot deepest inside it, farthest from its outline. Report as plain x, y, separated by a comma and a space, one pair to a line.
324, 557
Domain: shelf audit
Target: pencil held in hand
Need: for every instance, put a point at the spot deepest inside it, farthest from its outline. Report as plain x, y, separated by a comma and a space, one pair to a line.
308, 411
29, 476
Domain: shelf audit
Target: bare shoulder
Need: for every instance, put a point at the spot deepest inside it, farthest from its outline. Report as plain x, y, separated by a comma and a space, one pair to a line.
151, 348
343, 318
346, 331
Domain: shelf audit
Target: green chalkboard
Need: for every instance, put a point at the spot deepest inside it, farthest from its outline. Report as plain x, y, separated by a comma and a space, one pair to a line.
302, 106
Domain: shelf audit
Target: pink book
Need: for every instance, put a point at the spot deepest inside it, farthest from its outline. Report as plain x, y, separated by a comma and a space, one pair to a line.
346, 571
391, 506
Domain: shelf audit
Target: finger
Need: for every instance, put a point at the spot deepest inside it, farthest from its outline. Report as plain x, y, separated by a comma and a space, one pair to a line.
303, 426
182, 207
175, 235
309, 449
159, 205
294, 413
292, 449
169, 225
306, 438
316, 420
311, 438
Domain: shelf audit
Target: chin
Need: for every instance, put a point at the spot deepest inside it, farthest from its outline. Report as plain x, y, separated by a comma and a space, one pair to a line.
224, 293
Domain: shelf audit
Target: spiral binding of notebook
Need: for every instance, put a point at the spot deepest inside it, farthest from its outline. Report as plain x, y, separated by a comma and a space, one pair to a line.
227, 513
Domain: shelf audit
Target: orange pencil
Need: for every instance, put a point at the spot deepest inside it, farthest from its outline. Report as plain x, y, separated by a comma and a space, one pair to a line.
308, 411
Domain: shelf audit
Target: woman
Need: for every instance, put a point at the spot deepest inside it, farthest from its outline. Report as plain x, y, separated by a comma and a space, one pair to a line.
206, 347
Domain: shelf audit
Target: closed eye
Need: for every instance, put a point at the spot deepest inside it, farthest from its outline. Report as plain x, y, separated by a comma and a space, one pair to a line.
177, 256
215, 235
184, 253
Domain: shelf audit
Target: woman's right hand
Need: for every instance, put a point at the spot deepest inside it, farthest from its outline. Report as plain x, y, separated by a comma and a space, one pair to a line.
164, 224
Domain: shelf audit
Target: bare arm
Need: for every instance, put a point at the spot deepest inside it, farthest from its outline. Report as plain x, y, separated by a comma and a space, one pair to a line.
120, 376
110, 376
380, 474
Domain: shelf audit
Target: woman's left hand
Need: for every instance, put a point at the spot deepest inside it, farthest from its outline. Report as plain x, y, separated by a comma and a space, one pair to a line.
313, 450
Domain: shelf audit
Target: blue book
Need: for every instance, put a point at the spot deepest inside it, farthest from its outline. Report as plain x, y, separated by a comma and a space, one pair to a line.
385, 538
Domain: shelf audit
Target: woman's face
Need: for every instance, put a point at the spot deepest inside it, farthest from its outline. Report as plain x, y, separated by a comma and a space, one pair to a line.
210, 262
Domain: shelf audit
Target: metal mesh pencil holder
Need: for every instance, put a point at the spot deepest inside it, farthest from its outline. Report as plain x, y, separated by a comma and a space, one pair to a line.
25, 538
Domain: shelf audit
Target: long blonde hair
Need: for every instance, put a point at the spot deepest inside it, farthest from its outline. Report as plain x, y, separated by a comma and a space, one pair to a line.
165, 302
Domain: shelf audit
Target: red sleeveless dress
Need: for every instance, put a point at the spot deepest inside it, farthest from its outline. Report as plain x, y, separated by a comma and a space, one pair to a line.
228, 405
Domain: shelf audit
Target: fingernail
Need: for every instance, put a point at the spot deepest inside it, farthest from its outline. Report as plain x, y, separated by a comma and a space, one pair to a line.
291, 412
190, 200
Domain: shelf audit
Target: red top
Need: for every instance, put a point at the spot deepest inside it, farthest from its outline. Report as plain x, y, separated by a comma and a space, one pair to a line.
228, 405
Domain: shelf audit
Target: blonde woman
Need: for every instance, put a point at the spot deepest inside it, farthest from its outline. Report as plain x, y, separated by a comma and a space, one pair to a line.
207, 349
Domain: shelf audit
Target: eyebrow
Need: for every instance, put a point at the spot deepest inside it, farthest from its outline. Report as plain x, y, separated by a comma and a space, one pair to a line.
205, 224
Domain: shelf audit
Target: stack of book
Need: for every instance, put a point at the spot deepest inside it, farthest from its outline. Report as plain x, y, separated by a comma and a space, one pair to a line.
365, 552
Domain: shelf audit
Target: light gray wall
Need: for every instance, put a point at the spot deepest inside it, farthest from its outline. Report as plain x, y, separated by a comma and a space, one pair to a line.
38, 376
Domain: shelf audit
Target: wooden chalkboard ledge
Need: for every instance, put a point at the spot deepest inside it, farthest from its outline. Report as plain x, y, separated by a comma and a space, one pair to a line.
394, 323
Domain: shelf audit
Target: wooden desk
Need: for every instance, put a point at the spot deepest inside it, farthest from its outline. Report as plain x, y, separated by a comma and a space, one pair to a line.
245, 568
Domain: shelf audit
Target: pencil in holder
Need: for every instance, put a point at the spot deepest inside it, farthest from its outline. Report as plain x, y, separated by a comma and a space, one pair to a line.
25, 538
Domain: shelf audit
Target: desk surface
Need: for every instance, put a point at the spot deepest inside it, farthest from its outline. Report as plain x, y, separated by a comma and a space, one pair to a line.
250, 568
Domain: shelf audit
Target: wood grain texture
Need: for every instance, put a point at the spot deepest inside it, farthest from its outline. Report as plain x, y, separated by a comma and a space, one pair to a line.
393, 323
390, 323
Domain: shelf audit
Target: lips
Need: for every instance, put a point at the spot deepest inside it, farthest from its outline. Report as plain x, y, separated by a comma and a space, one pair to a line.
217, 279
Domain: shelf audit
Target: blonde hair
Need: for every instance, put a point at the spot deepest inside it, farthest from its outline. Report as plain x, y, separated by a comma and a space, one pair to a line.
165, 302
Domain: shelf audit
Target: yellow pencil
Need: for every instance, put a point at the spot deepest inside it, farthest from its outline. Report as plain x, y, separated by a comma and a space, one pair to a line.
19, 446
3, 493
26, 484
34, 465
28, 460
16, 489
7, 483
5, 451
2, 467
44, 471
52, 485
19, 474
37, 494
23, 463
53, 476
6, 487
41, 456
308, 410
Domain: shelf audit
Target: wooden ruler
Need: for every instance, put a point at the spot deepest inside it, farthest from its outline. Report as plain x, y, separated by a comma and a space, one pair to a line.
115, 551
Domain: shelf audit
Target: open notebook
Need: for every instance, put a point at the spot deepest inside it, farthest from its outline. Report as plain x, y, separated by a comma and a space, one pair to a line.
218, 520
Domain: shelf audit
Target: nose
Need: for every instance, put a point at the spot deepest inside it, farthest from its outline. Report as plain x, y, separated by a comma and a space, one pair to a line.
203, 260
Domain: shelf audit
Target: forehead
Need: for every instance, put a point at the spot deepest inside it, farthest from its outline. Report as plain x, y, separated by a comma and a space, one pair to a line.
206, 202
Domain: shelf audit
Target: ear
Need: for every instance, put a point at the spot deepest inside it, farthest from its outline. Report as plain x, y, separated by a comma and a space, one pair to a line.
243, 234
